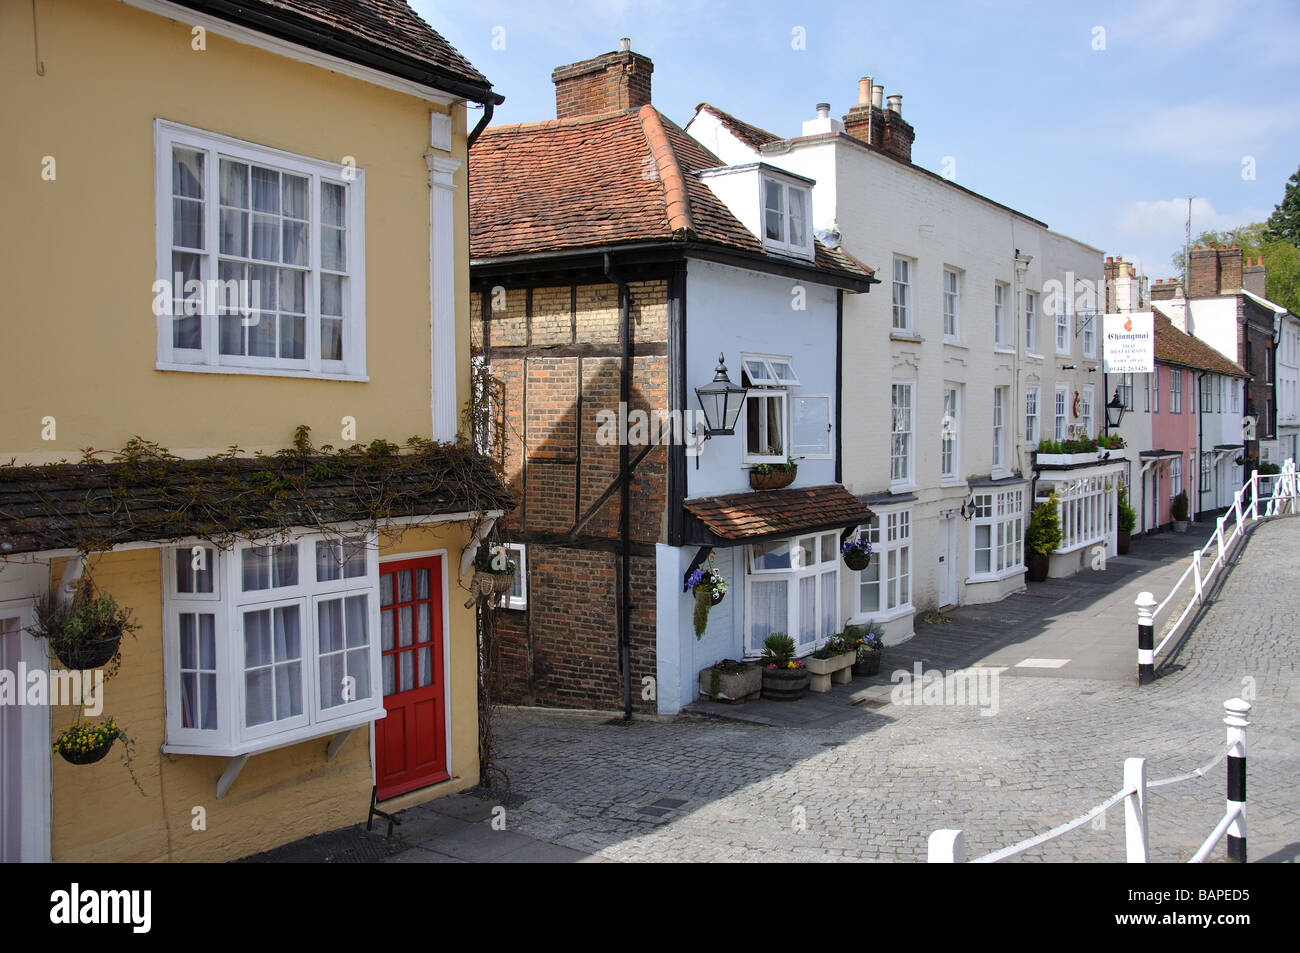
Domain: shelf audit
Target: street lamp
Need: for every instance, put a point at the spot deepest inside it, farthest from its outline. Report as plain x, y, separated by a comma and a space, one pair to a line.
721, 401
1114, 411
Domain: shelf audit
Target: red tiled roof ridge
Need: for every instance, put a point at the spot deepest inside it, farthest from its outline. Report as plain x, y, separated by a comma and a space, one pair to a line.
746, 132
670, 172
539, 124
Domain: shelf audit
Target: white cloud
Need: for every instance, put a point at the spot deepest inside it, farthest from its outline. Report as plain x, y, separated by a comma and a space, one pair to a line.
1213, 131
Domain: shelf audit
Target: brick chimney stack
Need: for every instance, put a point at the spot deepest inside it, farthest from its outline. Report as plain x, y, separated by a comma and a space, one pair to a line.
608, 83
1203, 272
1252, 276
884, 128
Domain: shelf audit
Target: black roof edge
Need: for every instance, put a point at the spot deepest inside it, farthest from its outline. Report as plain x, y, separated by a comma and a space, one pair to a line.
582, 258
325, 40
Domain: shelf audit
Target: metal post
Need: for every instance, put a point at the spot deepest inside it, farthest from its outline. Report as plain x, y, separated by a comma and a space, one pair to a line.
1234, 716
1146, 606
1135, 809
946, 847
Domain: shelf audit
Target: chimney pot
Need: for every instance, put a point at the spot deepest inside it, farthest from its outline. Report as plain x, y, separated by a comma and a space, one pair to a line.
878, 96
625, 44
864, 91
896, 104
1110, 258
823, 110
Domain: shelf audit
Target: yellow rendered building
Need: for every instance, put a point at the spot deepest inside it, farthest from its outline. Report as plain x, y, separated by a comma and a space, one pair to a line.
228, 221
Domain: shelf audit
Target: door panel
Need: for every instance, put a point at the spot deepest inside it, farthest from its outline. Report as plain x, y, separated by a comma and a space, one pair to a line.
411, 742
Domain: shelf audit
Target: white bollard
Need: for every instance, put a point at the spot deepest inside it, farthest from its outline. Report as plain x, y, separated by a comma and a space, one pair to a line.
1135, 809
946, 847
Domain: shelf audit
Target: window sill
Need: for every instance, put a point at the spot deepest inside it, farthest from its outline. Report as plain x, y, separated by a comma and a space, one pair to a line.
947, 483
862, 618
1033, 356
904, 487
1003, 349
261, 372
955, 342
995, 576
284, 740
897, 334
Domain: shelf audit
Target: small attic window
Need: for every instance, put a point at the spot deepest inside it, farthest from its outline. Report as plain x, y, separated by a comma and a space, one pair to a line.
786, 224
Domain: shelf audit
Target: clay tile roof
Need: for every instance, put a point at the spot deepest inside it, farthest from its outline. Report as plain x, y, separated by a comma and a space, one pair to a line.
1175, 347
592, 181
752, 136
749, 516
390, 30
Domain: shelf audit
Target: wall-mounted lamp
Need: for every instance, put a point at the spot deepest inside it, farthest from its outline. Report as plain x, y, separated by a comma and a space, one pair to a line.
721, 401
968, 508
1115, 410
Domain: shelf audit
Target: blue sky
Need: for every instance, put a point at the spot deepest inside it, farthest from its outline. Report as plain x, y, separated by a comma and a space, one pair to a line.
1104, 145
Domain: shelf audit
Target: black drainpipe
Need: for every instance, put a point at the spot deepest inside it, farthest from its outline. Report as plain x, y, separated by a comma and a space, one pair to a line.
481, 125
625, 516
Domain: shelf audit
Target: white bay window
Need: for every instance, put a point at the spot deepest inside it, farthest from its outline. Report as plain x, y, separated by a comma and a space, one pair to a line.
268, 645
885, 586
998, 533
793, 586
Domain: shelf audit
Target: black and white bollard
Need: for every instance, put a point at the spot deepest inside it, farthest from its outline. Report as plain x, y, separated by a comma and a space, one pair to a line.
1235, 711
1146, 606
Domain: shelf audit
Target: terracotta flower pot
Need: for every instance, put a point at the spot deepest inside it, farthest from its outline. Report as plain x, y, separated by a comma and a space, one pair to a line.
776, 480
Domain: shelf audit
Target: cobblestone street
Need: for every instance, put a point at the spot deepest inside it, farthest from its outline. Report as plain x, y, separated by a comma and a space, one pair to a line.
874, 784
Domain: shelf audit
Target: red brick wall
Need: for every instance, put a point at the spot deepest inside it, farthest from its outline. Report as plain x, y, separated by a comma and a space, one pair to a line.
557, 351
604, 84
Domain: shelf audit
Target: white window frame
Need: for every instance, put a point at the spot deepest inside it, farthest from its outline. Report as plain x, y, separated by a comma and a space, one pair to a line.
800, 246
909, 434
1126, 391
1003, 512
1175, 390
232, 737
1087, 396
1089, 334
951, 297
890, 535
902, 294
519, 553
1033, 415
1000, 293
1155, 389
950, 446
1175, 476
1031, 323
1000, 397
1061, 412
1063, 326
823, 544
1234, 388
796, 400
208, 358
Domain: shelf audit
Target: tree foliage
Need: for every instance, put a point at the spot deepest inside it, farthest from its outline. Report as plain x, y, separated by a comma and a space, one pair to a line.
1284, 224
1281, 258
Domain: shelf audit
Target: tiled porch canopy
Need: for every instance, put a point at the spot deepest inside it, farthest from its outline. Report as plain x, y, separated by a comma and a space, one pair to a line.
765, 514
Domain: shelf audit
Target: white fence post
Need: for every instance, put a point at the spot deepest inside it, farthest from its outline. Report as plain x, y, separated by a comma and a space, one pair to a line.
1135, 809
1196, 573
1254, 495
1235, 711
946, 847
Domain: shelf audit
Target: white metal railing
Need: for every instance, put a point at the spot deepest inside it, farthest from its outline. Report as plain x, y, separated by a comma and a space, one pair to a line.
1248, 505
947, 846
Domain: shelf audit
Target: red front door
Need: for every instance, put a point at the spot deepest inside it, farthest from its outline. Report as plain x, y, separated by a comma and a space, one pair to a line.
411, 742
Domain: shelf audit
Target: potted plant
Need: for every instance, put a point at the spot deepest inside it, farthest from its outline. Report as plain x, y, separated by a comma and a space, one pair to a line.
709, 588
785, 678
85, 743
857, 553
869, 645
773, 476
1180, 512
1125, 520
831, 663
85, 631
731, 681
495, 575
1042, 537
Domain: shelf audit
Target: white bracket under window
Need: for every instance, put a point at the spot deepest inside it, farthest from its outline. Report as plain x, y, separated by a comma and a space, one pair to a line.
236, 764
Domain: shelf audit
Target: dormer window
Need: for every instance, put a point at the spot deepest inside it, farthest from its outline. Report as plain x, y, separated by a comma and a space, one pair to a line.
785, 217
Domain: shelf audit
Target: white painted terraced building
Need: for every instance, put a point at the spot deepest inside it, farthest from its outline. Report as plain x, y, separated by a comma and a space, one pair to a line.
956, 371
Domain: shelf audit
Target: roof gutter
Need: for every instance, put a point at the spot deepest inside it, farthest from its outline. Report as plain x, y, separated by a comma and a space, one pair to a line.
318, 38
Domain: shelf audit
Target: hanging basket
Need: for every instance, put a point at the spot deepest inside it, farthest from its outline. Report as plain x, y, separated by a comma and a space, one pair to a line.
714, 597
87, 757
502, 582
857, 561
775, 480
84, 655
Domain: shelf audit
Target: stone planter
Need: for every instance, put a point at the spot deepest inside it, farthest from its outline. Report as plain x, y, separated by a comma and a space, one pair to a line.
826, 670
733, 687
776, 480
1122, 540
1180, 526
867, 663
784, 684
1036, 566
1068, 459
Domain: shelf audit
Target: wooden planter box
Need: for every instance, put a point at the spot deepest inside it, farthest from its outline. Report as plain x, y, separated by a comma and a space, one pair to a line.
784, 684
734, 687
777, 480
826, 670
870, 664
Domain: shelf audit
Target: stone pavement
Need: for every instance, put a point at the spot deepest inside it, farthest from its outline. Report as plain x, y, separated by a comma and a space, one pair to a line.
854, 775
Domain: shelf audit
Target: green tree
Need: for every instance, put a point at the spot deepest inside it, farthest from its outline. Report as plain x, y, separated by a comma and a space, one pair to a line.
1284, 223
